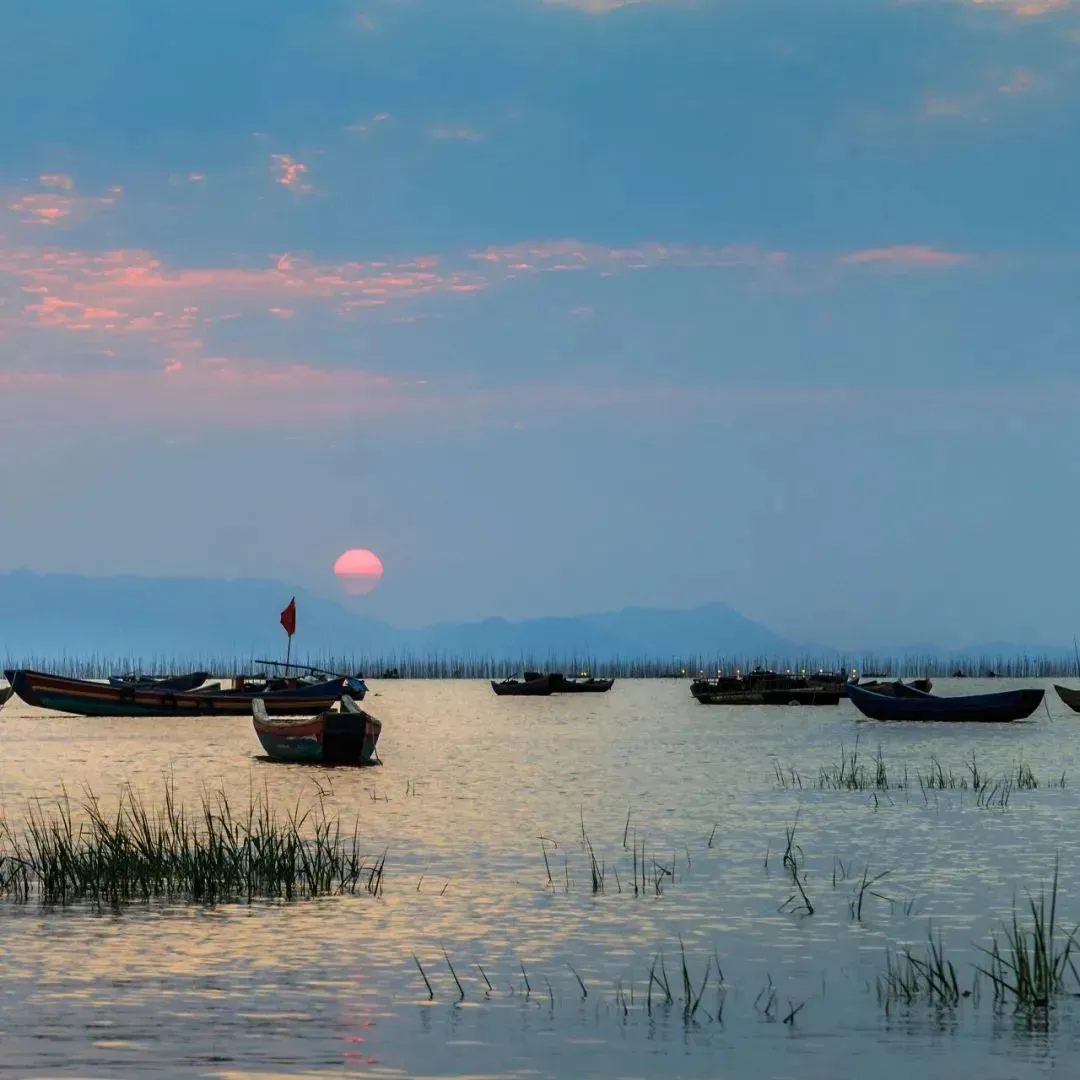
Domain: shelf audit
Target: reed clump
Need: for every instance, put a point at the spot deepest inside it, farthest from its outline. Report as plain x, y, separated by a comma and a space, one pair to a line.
858, 772
1029, 964
215, 853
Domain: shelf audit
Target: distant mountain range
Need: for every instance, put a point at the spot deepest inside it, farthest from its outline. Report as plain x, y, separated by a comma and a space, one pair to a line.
49, 616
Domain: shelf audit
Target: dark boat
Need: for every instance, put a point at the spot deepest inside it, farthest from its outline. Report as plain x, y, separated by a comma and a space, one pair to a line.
1070, 697
897, 688
761, 687
5, 693
282, 697
191, 681
969, 708
579, 684
532, 684
346, 736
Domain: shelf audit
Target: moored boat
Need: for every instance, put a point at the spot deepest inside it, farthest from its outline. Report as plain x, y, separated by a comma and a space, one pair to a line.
531, 684
761, 687
191, 681
969, 708
1070, 697
343, 736
282, 697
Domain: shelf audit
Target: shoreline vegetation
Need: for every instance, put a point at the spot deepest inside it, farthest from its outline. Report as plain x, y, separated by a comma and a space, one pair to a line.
439, 666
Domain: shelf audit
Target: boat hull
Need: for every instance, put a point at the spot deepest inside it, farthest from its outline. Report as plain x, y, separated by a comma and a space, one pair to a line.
1070, 697
972, 708
85, 698
331, 738
5, 693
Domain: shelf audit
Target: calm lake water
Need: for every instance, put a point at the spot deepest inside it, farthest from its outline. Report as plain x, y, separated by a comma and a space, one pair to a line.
469, 783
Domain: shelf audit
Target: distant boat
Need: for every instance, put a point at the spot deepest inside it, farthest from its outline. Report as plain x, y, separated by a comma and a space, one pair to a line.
282, 697
531, 684
968, 708
335, 737
762, 687
1070, 697
579, 684
191, 681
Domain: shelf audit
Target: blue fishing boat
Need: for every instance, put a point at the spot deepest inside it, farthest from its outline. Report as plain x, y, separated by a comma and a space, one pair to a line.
968, 708
282, 697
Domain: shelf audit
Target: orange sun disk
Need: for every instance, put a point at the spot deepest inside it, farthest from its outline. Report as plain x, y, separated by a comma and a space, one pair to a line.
358, 570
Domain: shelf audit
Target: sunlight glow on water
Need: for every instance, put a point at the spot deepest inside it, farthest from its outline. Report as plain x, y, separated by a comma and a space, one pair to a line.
469, 785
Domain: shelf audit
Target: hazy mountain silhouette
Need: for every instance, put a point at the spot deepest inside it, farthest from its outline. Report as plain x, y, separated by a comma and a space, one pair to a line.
49, 615
46, 616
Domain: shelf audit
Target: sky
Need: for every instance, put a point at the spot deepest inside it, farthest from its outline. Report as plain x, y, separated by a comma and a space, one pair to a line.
557, 305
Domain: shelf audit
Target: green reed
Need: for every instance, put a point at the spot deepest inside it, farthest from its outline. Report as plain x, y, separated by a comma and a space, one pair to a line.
210, 854
930, 978
1029, 965
856, 772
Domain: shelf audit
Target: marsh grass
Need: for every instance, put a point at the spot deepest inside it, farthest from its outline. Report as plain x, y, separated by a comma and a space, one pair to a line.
929, 978
856, 772
212, 854
1029, 964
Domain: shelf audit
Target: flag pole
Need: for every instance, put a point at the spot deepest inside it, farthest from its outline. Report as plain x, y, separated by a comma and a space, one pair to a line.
288, 653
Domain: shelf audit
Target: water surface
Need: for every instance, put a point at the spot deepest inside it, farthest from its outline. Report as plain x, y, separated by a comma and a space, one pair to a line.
469, 784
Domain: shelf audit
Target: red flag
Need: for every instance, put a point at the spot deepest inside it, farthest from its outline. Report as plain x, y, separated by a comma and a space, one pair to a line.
288, 618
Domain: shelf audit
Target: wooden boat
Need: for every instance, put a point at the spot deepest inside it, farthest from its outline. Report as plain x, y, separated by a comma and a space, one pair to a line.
1070, 697
968, 708
579, 684
897, 688
761, 687
282, 697
532, 684
192, 681
346, 736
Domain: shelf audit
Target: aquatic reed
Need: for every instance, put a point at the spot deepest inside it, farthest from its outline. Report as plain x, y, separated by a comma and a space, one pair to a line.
1029, 966
216, 853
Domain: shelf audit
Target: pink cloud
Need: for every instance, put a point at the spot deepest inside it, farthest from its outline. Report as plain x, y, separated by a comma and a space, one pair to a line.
907, 256
58, 203
369, 124
289, 172
1024, 8
600, 7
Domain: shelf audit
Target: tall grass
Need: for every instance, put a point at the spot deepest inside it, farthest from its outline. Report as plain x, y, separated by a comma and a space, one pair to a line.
1030, 964
211, 854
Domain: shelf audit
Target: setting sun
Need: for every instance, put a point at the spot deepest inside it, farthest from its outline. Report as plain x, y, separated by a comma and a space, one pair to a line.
358, 570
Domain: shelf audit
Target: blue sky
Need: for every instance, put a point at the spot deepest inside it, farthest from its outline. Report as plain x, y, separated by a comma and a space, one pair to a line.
556, 306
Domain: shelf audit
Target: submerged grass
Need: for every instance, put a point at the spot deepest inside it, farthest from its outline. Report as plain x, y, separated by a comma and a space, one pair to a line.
856, 772
1029, 966
215, 853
